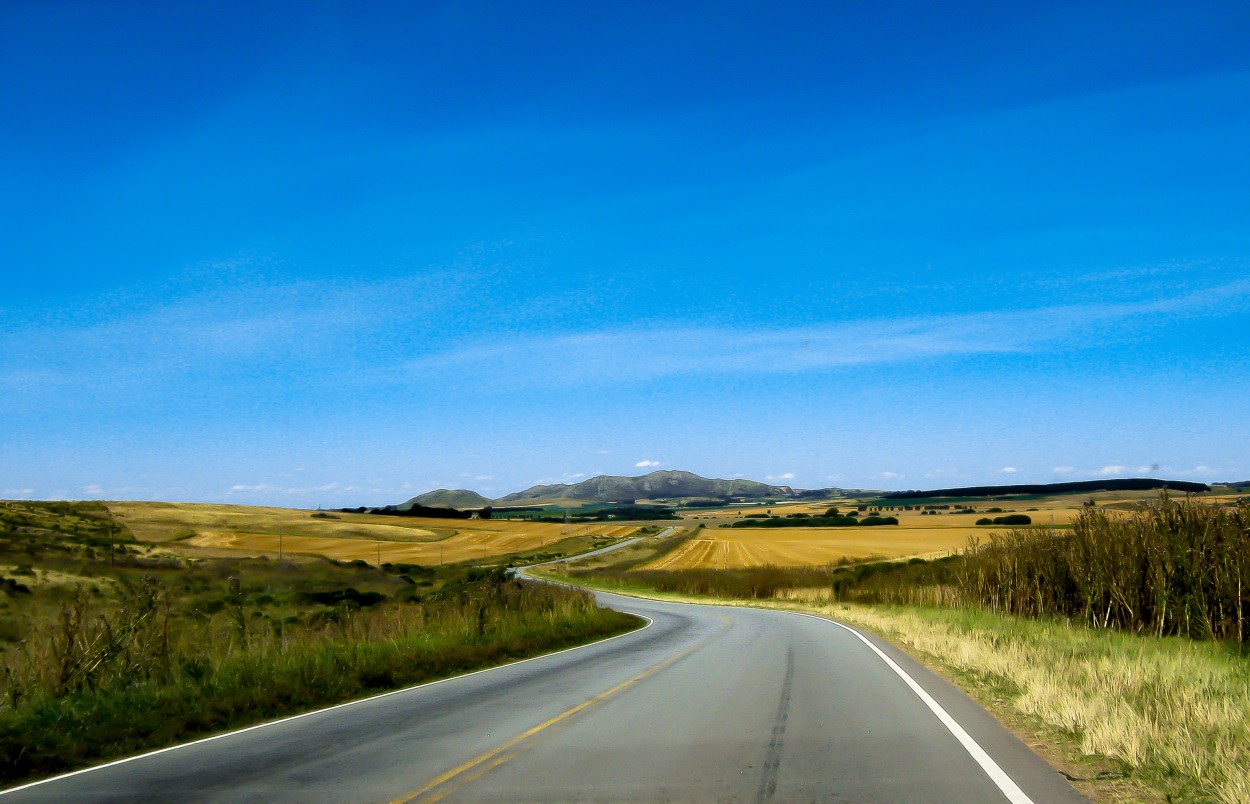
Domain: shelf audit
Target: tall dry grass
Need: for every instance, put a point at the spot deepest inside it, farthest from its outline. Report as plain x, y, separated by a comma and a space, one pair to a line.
1173, 711
109, 682
1173, 567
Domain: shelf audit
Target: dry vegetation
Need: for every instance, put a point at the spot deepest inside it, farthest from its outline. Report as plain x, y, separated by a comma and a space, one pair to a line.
1118, 639
109, 645
741, 548
1166, 716
224, 530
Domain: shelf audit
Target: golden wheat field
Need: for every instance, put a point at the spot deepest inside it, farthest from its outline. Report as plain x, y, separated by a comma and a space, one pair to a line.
917, 534
225, 530
735, 548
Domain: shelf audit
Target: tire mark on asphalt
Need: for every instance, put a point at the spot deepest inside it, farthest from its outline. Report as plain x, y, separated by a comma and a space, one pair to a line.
772, 760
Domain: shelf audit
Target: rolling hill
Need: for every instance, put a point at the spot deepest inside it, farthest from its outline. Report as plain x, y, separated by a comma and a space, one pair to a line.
447, 498
664, 484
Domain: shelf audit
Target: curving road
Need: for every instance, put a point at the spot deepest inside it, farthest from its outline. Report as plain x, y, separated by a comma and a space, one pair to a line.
707, 703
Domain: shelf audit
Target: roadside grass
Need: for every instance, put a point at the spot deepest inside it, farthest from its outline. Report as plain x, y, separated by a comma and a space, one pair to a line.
213, 680
1129, 717
109, 646
1169, 713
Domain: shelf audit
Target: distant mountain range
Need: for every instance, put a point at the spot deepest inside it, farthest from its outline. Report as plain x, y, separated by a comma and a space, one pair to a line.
664, 484
677, 486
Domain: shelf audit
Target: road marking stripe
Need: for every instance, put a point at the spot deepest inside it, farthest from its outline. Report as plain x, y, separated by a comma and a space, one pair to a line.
302, 715
992, 769
494, 753
997, 775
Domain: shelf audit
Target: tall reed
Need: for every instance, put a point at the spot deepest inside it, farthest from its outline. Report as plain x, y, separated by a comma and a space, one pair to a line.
1173, 567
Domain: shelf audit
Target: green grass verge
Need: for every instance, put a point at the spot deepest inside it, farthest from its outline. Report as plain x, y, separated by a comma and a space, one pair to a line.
56, 733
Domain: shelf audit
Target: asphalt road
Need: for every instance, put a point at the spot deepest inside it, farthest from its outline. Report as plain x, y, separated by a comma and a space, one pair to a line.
705, 704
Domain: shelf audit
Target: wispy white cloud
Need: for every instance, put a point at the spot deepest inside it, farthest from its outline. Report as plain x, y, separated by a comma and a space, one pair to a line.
125, 344
295, 333
785, 476
891, 476
1113, 469
1009, 470
93, 490
633, 354
646, 464
245, 487
1064, 470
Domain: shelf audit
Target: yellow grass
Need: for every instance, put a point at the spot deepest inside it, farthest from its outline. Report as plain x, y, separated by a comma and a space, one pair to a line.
203, 529
916, 533
1168, 706
735, 548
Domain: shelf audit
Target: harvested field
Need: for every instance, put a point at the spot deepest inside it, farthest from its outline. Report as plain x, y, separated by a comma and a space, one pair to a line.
739, 548
221, 530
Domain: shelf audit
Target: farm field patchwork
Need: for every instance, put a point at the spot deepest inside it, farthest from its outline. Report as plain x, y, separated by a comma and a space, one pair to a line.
935, 532
224, 530
738, 548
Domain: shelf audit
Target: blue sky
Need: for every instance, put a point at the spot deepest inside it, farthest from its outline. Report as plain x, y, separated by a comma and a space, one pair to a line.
305, 254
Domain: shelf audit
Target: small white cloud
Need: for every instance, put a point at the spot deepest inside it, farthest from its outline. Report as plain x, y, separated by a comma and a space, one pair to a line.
1064, 470
19, 492
1113, 469
1202, 470
783, 476
890, 475
646, 464
1009, 470
92, 489
245, 487
483, 477
328, 487
1154, 467
602, 452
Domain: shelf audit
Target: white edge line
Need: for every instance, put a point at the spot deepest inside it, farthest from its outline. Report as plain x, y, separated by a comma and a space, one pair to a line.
269, 723
992, 769
1005, 783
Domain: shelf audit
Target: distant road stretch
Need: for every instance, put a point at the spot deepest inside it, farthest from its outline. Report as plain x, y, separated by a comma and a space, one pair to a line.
707, 703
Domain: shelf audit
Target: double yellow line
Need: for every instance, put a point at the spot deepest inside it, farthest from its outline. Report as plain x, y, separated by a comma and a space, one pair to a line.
447, 783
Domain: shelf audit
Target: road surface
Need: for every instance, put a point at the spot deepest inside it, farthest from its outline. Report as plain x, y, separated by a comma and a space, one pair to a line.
706, 703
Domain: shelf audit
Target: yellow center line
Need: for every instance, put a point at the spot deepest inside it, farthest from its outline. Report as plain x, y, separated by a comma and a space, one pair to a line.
495, 753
